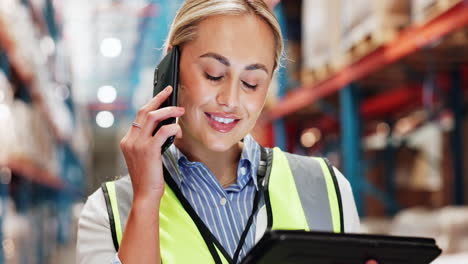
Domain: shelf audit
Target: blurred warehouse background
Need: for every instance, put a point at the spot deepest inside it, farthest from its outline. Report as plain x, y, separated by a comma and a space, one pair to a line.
377, 86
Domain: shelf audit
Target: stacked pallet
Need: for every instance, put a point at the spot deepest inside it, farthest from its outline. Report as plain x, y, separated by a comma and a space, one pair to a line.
336, 33
320, 39
367, 25
425, 10
28, 145
20, 38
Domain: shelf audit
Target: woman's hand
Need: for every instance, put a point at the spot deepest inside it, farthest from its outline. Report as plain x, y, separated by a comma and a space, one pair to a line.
142, 150
142, 153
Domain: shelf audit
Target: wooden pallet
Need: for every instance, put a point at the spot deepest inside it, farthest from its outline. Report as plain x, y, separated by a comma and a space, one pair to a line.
381, 23
319, 43
425, 10
367, 42
318, 74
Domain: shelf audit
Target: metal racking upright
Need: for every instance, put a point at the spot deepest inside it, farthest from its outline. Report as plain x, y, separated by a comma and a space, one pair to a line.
411, 44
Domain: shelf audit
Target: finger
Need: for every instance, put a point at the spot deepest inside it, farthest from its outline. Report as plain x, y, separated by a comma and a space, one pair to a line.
154, 103
133, 132
164, 133
154, 117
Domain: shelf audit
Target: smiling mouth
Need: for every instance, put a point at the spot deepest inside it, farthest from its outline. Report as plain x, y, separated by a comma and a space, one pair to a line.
222, 124
222, 120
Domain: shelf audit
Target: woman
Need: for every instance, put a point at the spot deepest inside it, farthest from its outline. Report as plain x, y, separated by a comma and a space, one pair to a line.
215, 191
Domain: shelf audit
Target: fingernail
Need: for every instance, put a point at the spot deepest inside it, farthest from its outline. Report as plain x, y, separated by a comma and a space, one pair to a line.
168, 88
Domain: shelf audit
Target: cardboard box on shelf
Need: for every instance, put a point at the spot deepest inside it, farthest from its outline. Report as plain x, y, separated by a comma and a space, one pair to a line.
18, 37
320, 38
367, 25
33, 149
24, 144
21, 40
45, 145
7, 135
424, 10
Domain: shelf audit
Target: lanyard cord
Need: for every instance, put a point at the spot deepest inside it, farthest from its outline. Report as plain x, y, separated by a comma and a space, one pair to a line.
209, 238
247, 228
260, 176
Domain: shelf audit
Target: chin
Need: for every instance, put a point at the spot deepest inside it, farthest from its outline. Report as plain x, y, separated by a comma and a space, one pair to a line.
219, 143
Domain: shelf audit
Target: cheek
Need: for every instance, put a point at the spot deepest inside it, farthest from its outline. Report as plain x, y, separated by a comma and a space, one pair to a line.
254, 104
193, 93
190, 97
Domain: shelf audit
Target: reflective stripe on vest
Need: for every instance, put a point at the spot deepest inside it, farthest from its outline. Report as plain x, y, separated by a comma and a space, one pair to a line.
301, 193
303, 186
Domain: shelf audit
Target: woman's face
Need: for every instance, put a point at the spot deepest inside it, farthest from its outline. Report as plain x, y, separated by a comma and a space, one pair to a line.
225, 75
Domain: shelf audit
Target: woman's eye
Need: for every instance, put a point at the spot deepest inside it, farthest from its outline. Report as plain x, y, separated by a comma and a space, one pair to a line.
250, 86
213, 78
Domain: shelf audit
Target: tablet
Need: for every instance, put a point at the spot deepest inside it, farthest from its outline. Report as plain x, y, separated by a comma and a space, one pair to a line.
298, 247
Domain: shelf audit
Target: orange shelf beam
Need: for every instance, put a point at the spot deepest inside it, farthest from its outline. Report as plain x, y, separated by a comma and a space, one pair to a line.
409, 41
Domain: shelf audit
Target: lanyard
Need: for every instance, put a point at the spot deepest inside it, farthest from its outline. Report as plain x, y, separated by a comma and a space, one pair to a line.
208, 237
247, 227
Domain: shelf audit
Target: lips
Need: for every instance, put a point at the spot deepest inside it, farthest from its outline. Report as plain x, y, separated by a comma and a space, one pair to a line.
222, 122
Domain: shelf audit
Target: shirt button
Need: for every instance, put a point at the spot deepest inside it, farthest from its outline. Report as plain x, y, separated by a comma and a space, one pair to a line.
243, 170
222, 201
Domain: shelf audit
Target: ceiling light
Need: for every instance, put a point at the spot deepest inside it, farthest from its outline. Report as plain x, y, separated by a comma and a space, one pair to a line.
105, 119
107, 94
111, 47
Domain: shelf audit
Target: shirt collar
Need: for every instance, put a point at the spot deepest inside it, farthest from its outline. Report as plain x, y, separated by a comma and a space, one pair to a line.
173, 159
251, 155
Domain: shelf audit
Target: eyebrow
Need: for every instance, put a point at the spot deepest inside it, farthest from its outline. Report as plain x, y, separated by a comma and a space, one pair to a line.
225, 61
256, 66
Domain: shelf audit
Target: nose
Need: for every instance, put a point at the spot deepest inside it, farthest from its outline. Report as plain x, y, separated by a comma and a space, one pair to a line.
228, 95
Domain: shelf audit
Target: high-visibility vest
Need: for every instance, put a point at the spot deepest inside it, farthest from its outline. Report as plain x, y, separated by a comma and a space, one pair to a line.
300, 193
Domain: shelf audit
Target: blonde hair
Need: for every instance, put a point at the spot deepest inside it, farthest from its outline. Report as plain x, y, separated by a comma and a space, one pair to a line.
192, 12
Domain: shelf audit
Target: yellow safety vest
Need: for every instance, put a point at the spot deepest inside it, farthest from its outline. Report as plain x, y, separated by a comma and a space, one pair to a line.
301, 193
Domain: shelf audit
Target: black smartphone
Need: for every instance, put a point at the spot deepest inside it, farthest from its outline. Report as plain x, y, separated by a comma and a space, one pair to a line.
167, 73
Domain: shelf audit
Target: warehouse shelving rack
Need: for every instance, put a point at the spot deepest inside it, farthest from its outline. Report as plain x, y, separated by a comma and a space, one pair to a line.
37, 188
408, 42
26, 78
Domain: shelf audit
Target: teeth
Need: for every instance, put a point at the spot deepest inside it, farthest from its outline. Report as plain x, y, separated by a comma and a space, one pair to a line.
222, 120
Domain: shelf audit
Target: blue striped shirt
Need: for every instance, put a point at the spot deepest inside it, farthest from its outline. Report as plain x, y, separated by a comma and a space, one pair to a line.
224, 211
